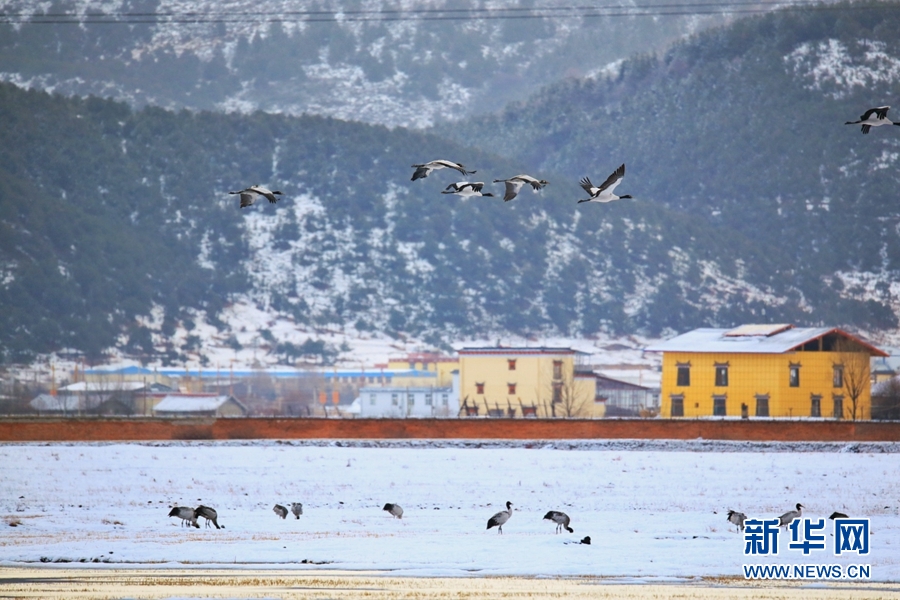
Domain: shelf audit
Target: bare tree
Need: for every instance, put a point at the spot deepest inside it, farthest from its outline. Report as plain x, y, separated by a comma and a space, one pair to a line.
854, 369
565, 398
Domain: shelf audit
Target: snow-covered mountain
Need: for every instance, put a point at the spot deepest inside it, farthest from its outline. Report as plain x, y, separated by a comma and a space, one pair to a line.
392, 62
747, 209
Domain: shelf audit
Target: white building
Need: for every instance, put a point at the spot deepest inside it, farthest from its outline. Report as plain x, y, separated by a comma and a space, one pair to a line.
407, 401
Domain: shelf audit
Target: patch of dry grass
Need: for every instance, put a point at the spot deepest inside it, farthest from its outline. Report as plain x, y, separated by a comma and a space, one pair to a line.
89, 584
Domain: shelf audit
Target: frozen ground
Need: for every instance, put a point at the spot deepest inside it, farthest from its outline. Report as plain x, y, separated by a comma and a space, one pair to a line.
656, 513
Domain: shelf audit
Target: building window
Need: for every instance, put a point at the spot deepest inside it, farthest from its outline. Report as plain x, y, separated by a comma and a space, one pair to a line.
512, 364
684, 375
794, 378
719, 406
838, 407
511, 389
428, 400
479, 388
445, 399
677, 405
371, 399
411, 399
815, 405
837, 376
557, 393
762, 405
395, 400
722, 375
412, 366
557, 369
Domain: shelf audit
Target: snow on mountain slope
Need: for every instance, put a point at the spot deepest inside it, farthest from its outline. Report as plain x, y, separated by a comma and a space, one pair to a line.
391, 62
836, 68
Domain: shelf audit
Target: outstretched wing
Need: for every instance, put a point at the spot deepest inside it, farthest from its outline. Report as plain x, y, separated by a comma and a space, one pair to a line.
613, 180
879, 111
246, 199
588, 187
462, 187
533, 182
421, 172
512, 189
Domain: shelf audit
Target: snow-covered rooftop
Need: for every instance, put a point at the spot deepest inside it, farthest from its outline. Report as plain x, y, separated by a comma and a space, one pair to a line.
106, 386
189, 404
726, 340
62, 403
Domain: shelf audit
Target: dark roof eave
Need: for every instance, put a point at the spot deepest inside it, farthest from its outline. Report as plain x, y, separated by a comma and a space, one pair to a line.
872, 349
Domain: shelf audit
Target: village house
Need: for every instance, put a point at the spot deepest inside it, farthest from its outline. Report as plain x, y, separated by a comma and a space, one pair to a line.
766, 371
199, 405
541, 382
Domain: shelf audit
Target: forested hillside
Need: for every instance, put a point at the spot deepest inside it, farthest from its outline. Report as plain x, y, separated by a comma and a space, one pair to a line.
118, 229
386, 62
754, 202
743, 128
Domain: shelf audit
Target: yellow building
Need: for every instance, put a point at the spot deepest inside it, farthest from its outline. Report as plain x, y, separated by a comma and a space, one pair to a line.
428, 369
543, 382
766, 371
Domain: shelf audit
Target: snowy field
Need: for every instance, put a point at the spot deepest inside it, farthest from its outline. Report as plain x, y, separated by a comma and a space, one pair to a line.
653, 514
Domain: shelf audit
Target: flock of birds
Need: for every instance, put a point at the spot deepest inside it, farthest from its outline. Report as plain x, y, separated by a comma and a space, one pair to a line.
605, 192
190, 515
737, 518
602, 193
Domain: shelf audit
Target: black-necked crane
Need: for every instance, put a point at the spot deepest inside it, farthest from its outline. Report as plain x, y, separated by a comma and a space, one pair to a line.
561, 519
253, 192
296, 509
514, 184
737, 519
280, 511
785, 519
467, 189
394, 510
186, 514
209, 514
874, 117
424, 169
500, 518
604, 193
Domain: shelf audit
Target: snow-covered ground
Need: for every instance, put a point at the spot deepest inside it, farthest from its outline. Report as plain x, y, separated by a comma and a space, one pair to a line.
652, 513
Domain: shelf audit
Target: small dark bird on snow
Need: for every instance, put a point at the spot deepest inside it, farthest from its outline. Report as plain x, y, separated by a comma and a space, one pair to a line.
280, 511
561, 519
186, 514
394, 509
586, 540
838, 515
785, 519
424, 169
514, 184
209, 514
253, 192
604, 193
737, 519
296, 509
874, 117
466, 189
500, 518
